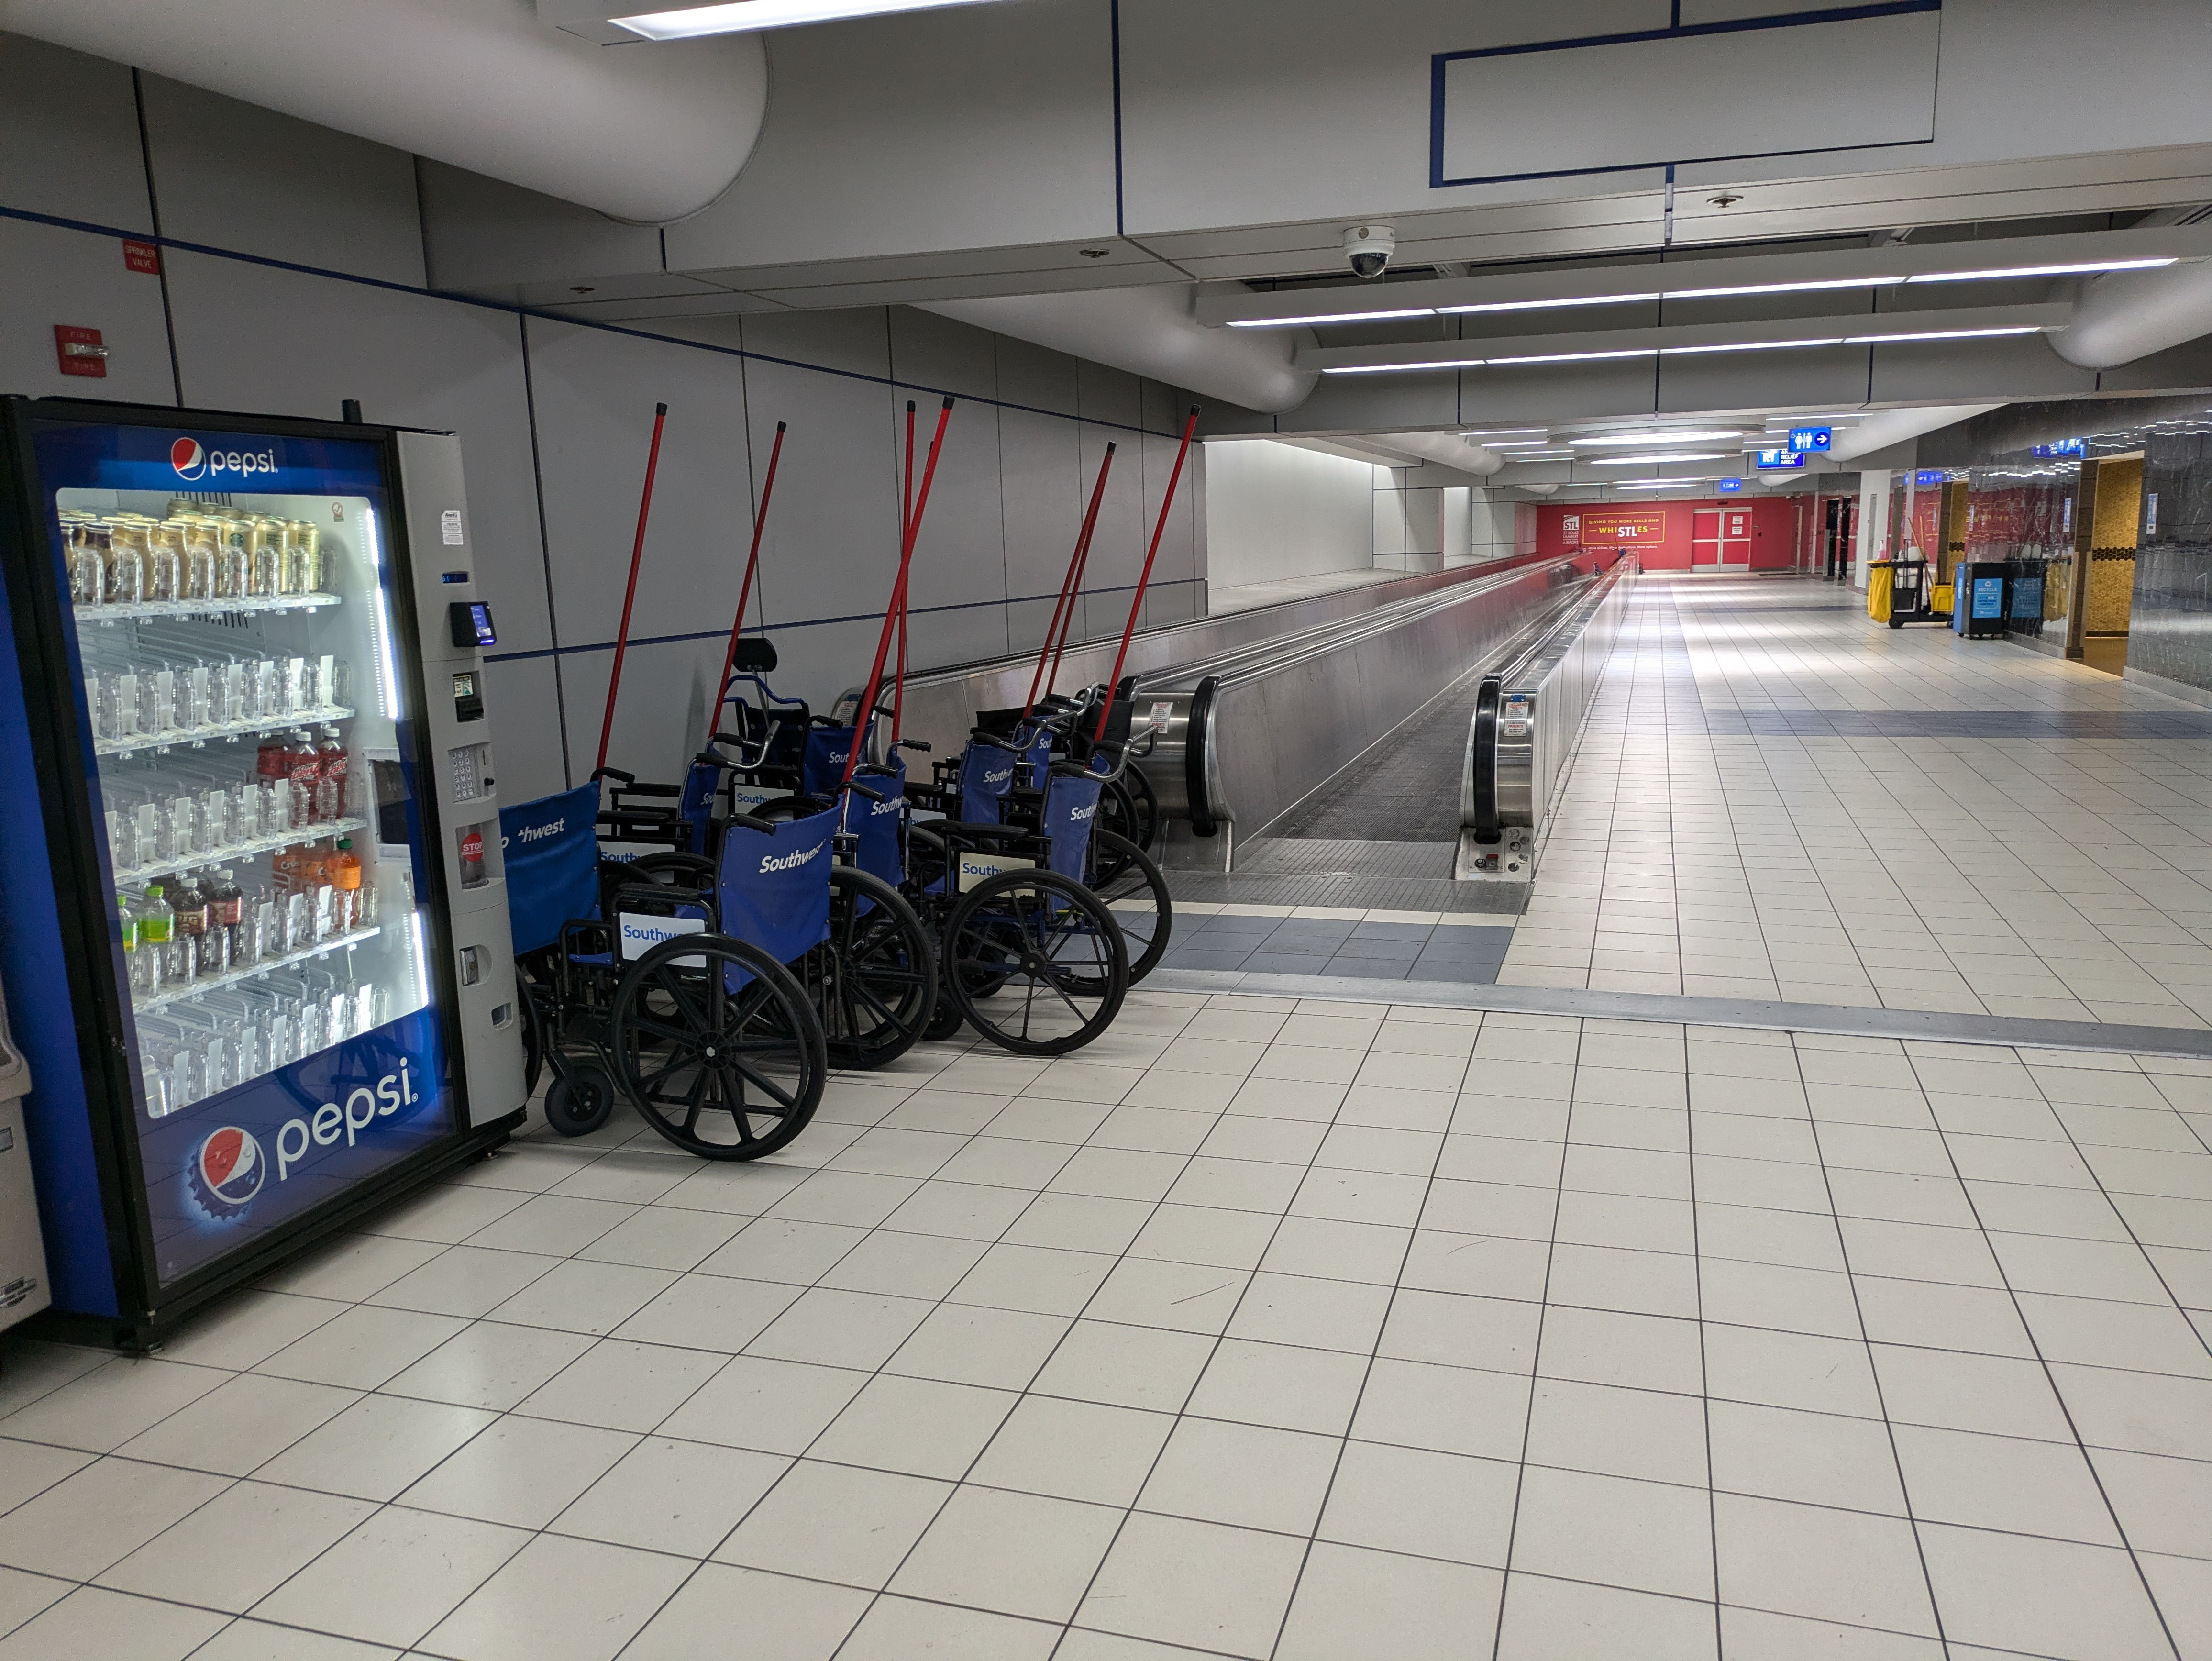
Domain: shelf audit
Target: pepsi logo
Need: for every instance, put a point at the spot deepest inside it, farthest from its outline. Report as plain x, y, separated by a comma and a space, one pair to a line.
192, 459
226, 1172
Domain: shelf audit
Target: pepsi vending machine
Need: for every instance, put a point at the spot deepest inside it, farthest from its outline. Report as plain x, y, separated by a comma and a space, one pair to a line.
252, 914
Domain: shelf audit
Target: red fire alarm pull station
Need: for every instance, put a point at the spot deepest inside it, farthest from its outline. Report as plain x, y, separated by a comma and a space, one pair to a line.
79, 352
144, 257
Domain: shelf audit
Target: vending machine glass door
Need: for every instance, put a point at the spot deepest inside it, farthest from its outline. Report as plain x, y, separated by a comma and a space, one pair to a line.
234, 614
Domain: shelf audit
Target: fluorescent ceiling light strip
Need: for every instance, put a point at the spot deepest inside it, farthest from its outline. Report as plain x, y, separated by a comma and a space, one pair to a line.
1575, 357
741, 16
1520, 444
1398, 368
1941, 334
1505, 432
1749, 346
2072, 268
1806, 286
1656, 483
1651, 461
1702, 436
1547, 305
1330, 317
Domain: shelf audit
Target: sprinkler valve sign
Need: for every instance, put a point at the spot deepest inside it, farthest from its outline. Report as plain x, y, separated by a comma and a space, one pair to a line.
1607, 528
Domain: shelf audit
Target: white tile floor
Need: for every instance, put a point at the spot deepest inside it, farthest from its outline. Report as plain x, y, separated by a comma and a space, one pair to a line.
2064, 877
1262, 1329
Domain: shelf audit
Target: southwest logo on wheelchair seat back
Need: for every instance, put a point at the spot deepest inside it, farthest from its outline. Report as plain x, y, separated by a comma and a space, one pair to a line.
789, 861
226, 1173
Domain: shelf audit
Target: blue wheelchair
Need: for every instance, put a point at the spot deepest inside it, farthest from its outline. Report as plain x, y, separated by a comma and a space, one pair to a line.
673, 994
1003, 778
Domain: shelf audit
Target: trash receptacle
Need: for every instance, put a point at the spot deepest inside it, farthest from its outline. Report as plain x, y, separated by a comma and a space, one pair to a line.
1978, 605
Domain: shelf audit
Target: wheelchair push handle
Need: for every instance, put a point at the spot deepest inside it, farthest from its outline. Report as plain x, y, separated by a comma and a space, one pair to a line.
615, 773
750, 822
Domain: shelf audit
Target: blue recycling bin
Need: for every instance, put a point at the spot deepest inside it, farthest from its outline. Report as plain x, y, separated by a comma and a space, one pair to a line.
1977, 598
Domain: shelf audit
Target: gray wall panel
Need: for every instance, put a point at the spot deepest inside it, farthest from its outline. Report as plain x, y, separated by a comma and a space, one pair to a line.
595, 393
832, 545
235, 176
252, 338
68, 137
50, 276
1045, 492
525, 715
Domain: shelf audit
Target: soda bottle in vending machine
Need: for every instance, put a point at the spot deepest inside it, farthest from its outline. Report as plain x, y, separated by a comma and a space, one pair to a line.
306, 766
331, 765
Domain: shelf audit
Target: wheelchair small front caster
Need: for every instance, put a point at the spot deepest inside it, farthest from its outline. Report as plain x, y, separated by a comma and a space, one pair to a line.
580, 1101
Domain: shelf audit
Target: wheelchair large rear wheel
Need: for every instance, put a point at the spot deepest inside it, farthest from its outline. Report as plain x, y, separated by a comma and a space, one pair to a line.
1049, 951
874, 980
1129, 808
723, 1074
1137, 894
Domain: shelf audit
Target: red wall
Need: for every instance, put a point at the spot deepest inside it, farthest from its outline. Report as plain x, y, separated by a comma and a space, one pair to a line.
1773, 529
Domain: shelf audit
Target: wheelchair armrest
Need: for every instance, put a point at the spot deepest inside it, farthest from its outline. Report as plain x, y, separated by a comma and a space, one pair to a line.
657, 790
957, 831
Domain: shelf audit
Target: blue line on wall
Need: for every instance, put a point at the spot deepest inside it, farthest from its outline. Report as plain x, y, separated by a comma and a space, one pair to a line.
817, 622
1677, 30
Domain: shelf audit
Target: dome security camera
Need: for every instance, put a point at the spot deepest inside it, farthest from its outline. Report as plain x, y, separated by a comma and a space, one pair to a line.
1368, 247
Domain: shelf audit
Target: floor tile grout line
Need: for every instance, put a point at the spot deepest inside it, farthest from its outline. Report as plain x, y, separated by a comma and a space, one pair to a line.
1367, 1371
1705, 1378
1535, 1366
2058, 1395
1873, 1373
1250, 1275
2149, 1262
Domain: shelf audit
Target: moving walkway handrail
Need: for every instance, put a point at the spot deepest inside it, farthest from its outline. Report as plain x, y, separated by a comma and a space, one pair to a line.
1480, 809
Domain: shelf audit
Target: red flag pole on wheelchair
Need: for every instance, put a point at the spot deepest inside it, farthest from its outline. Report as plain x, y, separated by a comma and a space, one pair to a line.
1070, 586
630, 595
1145, 577
865, 712
753, 565
906, 516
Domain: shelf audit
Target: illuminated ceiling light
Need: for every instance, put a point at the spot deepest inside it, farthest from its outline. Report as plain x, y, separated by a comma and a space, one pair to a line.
1575, 357
1703, 436
1784, 288
740, 17
1507, 432
1399, 368
1747, 346
1548, 305
1521, 444
1658, 484
2072, 268
1941, 334
1643, 461
1325, 317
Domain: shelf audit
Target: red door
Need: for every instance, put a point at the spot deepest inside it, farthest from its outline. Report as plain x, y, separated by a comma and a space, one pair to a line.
1720, 537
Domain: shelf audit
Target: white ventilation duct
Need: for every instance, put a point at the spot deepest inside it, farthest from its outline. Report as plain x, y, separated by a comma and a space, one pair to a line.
1450, 449
1888, 427
1149, 331
643, 133
2131, 315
